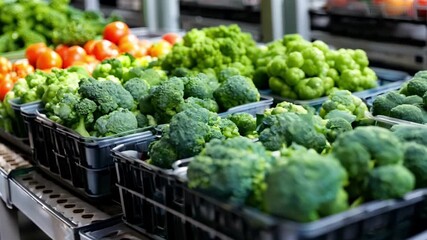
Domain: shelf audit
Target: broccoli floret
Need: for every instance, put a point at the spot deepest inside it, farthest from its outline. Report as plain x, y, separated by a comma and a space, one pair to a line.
343, 100
410, 134
144, 120
118, 121
340, 114
220, 172
166, 99
286, 107
415, 159
417, 85
193, 102
151, 76
414, 100
407, 112
228, 128
335, 127
245, 122
383, 104
162, 153
357, 150
64, 109
227, 73
321, 177
137, 87
198, 86
392, 181
108, 95
286, 128
234, 91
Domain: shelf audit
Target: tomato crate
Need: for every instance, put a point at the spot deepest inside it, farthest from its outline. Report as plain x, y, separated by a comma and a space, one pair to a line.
82, 164
158, 202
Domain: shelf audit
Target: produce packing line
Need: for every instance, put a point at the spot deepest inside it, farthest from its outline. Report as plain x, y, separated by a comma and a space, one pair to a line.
57, 212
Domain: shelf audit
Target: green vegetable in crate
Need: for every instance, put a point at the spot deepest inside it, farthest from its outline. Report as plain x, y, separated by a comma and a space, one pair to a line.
232, 170
411, 133
108, 95
391, 181
234, 91
286, 128
304, 186
117, 67
193, 102
417, 85
137, 87
245, 122
415, 159
407, 112
118, 121
152, 76
383, 104
365, 148
286, 107
198, 87
343, 100
337, 126
212, 48
187, 134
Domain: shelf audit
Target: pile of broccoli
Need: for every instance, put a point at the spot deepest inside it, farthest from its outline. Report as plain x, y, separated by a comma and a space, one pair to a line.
25, 22
187, 134
212, 49
410, 103
39, 86
298, 69
373, 158
176, 94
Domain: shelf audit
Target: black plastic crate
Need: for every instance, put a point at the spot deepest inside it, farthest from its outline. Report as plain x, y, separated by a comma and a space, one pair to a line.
84, 165
18, 124
252, 108
156, 202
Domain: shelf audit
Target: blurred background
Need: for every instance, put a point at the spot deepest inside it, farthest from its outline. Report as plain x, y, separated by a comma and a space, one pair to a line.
393, 32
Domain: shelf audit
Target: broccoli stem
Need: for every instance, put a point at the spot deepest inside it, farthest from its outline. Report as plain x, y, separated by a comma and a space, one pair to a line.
81, 128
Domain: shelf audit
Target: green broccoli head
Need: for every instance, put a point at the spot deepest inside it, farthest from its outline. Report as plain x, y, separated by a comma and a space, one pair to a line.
228, 128
414, 100
343, 100
383, 104
108, 95
286, 107
193, 102
166, 99
335, 127
198, 86
286, 128
321, 177
236, 90
162, 153
410, 134
407, 112
392, 181
245, 122
118, 121
144, 120
417, 85
226, 73
364, 147
137, 87
415, 159
219, 171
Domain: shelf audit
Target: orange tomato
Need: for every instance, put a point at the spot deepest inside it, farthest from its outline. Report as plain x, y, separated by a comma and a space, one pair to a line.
160, 48
128, 39
74, 53
90, 58
61, 49
5, 87
140, 52
172, 38
49, 59
34, 51
128, 47
5, 65
145, 43
105, 49
22, 68
89, 45
397, 7
116, 30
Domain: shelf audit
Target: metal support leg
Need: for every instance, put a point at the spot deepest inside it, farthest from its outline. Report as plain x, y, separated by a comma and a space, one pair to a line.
295, 17
92, 5
9, 226
168, 14
149, 8
272, 19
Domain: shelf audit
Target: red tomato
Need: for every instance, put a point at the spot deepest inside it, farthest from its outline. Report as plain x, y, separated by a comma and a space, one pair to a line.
5, 87
160, 48
49, 59
105, 49
89, 45
74, 53
172, 38
128, 39
61, 49
421, 6
116, 30
128, 47
22, 68
34, 51
5, 65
